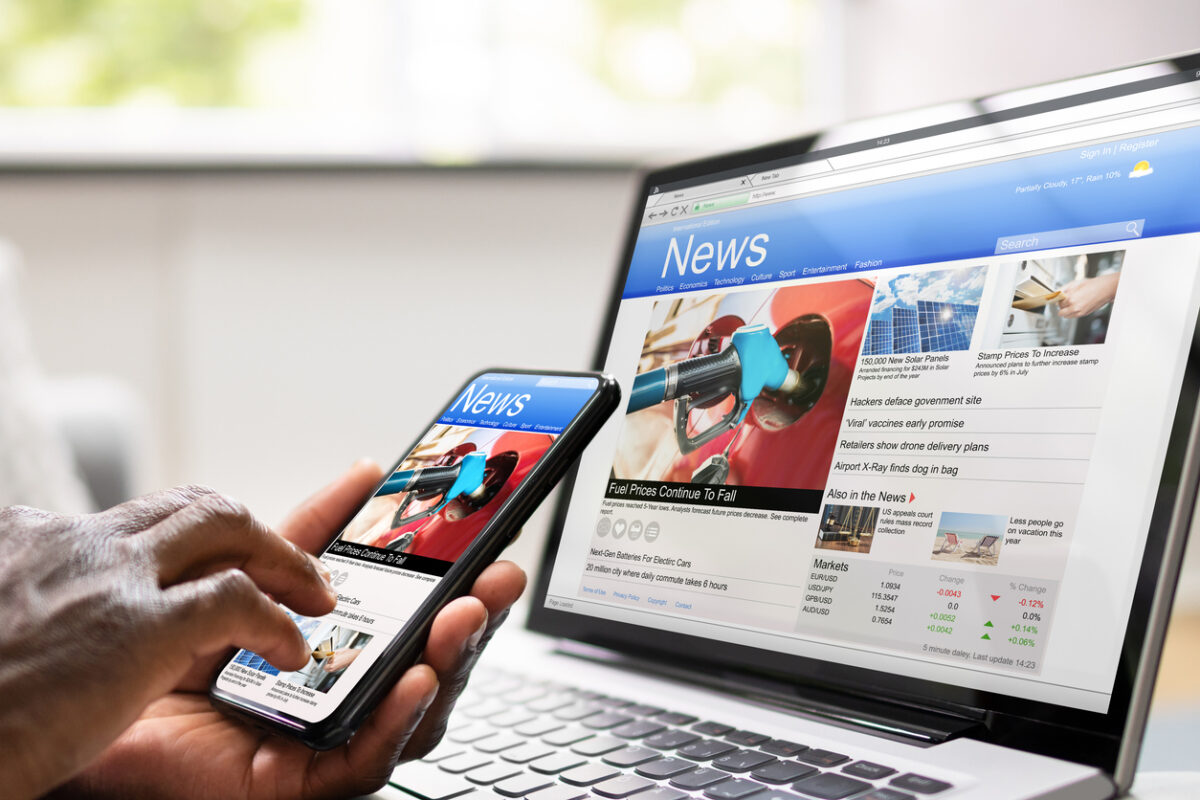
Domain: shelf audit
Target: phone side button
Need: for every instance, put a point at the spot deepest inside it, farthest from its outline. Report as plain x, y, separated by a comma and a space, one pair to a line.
427, 782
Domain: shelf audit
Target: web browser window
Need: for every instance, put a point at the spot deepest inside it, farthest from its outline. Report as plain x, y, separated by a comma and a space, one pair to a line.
905, 407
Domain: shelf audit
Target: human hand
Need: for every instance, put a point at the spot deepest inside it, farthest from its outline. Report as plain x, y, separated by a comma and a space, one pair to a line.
107, 612
183, 747
340, 659
1087, 295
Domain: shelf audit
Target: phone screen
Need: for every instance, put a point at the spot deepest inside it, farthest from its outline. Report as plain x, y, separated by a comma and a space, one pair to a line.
404, 540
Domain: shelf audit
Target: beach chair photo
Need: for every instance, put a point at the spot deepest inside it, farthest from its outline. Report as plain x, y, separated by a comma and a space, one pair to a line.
949, 544
985, 547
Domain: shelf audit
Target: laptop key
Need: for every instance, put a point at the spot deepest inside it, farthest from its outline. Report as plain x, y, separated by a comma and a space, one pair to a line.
598, 746
577, 711
502, 685
669, 739
524, 695
665, 768
587, 774
622, 786
782, 772
551, 702
486, 709
631, 756
782, 747
471, 733
663, 793
538, 727
778, 794
831, 786
705, 749
868, 770
699, 778
558, 792
887, 794
485, 776
521, 785
511, 718
822, 758
640, 710
637, 729
747, 738
501, 741
443, 750
613, 702
675, 718
530, 751
567, 736
428, 782
556, 763
712, 728
743, 760
602, 722
734, 789
464, 762
919, 783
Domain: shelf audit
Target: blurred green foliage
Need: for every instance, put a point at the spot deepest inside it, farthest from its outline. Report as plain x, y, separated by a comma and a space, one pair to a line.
108, 52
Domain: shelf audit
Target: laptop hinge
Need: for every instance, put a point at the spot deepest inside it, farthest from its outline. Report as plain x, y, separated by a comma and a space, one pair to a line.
859, 712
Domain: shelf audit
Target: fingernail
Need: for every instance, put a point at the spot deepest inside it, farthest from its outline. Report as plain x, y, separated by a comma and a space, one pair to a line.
423, 705
476, 637
319, 567
429, 697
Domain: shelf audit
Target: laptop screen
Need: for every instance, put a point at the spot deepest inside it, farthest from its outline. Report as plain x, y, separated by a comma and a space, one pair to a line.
903, 404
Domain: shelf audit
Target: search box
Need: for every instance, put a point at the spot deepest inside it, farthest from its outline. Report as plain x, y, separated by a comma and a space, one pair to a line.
1069, 237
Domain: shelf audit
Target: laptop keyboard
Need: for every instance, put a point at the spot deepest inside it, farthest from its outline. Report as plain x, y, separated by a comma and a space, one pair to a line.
519, 739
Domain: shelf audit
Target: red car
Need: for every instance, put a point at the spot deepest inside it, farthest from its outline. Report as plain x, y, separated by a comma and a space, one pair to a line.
446, 534
788, 442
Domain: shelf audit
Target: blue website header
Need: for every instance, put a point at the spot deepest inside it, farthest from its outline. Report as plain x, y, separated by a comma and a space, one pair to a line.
1098, 189
518, 402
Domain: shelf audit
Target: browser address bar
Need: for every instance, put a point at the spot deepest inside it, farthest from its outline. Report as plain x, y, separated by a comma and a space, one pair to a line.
1089, 132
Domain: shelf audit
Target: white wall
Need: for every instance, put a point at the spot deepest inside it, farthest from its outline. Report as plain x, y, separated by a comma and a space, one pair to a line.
281, 326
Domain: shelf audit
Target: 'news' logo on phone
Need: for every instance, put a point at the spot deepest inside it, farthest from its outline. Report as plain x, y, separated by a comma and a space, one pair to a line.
481, 400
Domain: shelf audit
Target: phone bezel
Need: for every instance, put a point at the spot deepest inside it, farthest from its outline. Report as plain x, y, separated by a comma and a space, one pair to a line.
406, 646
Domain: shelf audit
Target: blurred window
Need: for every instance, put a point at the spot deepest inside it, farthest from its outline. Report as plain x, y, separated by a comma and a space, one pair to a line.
451, 81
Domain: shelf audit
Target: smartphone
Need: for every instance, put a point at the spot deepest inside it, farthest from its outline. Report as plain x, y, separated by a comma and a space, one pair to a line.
442, 513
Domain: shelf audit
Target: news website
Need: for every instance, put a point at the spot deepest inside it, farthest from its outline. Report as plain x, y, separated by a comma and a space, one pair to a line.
910, 418
432, 507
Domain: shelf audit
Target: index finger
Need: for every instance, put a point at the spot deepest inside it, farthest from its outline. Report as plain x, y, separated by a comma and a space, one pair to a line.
148, 510
216, 532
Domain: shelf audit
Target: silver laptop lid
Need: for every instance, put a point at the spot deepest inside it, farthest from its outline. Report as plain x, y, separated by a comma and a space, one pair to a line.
910, 411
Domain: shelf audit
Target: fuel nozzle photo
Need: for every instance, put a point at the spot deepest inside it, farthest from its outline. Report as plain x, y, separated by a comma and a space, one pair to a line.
753, 363
465, 478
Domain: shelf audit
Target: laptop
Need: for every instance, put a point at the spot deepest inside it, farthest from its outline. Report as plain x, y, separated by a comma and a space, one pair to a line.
895, 503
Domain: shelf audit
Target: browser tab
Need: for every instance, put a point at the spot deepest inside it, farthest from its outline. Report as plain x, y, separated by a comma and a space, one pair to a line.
796, 172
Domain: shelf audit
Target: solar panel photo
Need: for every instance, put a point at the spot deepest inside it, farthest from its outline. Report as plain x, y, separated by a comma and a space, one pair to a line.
925, 312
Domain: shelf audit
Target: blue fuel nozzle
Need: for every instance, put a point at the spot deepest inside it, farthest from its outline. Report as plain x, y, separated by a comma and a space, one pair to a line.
463, 478
762, 362
470, 476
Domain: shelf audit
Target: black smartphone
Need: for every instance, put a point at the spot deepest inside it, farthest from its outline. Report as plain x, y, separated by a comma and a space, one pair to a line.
442, 513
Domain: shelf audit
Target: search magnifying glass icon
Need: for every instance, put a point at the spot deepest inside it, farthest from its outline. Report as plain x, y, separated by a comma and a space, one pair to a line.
1133, 228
